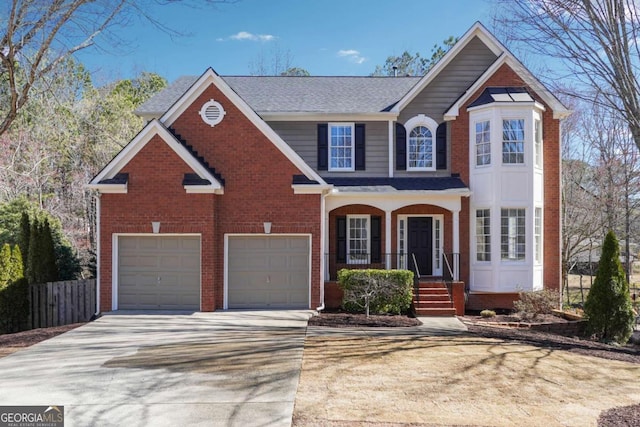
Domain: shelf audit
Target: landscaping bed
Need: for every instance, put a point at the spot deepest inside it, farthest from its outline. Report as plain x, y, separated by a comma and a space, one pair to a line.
347, 320
10, 343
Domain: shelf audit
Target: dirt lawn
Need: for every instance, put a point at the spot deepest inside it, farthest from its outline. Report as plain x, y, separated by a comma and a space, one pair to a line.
459, 380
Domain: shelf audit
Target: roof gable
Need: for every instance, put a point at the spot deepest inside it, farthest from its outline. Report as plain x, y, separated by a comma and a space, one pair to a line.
559, 110
109, 178
211, 78
503, 56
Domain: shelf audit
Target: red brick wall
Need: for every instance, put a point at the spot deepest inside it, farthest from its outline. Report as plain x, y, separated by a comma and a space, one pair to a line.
156, 194
257, 189
257, 183
505, 76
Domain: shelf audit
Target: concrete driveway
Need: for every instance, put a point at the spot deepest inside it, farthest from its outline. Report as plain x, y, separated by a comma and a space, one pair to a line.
224, 368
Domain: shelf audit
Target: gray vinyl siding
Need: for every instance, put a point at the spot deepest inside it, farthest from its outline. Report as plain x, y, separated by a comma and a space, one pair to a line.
302, 137
451, 82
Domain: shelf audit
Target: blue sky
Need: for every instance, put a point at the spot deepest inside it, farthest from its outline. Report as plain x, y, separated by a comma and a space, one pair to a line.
326, 37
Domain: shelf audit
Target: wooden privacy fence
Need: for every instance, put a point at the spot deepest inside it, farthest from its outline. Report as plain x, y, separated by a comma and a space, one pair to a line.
61, 303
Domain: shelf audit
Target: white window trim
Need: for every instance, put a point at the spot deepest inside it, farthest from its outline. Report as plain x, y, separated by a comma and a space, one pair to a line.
368, 254
432, 125
503, 118
353, 146
538, 158
405, 237
538, 250
475, 143
526, 237
475, 234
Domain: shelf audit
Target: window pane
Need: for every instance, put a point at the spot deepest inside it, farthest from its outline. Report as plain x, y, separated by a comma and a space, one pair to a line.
483, 143
537, 231
513, 141
420, 148
483, 235
341, 147
538, 143
357, 240
512, 234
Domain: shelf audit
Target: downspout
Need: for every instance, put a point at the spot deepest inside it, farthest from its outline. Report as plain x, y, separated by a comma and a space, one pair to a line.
322, 249
97, 198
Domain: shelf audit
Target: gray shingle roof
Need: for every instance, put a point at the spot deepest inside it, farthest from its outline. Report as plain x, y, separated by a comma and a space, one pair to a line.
271, 94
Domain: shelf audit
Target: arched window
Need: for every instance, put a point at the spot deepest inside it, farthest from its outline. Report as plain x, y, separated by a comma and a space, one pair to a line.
420, 148
421, 141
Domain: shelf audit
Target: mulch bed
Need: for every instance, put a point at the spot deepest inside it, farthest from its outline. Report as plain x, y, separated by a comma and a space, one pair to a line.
619, 417
349, 320
10, 343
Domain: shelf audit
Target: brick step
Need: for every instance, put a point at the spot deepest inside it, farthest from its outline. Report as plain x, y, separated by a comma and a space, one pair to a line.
432, 304
433, 291
432, 297
431, 285
440, 312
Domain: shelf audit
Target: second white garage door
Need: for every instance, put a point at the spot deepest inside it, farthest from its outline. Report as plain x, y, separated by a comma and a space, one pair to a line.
268, 271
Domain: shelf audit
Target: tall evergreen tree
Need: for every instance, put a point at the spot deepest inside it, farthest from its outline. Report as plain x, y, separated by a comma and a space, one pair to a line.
17, 266
23, 238
48, 261
33, 261
608, 306
5, 265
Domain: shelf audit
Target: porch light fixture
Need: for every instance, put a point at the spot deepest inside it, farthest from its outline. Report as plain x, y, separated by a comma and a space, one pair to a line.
155, 226
267, 228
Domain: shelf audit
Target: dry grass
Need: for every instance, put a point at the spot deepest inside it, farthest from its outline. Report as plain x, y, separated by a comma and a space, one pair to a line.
460, 380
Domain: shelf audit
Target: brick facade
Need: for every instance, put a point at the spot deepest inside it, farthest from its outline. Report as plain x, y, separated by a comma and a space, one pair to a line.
257, 189
505, 76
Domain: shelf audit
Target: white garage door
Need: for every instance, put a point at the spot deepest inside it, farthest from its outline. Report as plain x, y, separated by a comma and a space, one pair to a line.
159, 273
268, 272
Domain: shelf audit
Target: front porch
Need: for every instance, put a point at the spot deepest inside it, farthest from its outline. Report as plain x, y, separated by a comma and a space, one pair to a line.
387, 229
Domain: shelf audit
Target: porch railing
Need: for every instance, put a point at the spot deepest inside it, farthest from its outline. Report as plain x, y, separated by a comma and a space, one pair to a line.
451, 271
390, 260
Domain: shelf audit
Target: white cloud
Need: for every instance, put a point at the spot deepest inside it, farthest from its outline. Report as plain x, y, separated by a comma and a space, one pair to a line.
352, 55
245, 35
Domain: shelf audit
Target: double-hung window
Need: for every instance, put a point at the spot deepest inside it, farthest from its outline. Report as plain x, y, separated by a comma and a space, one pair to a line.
538, 143
341, 146
483, 143
537, 232
420, 148
513, 141
483, 235
513, 229
358, 239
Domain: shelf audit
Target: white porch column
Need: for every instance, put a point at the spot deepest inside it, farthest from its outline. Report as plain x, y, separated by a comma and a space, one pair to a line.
456, 245
325, 246
387, 238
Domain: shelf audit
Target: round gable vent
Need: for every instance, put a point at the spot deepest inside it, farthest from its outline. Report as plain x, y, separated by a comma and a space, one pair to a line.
212, 113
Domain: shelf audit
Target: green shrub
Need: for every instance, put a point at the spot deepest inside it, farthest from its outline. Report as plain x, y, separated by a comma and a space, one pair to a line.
14, 306
533, 304
376, 291
487, 313
608, 306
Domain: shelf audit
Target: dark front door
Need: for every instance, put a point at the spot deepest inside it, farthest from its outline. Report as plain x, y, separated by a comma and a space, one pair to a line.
421, 244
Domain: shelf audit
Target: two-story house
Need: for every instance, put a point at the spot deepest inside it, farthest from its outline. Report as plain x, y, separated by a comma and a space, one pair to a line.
252, 192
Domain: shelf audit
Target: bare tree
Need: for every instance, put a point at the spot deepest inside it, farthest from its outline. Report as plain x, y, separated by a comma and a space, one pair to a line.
278, 62
36, 36
595, 39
